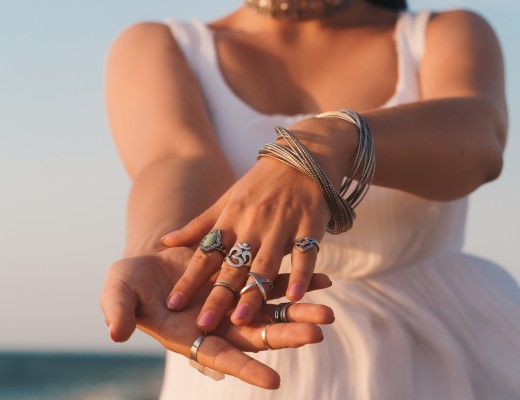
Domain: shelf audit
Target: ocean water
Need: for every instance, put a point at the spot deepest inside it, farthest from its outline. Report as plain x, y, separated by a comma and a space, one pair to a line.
79, 376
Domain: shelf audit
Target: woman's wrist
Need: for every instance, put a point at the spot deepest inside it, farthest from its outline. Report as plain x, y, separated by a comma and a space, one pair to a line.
332, 142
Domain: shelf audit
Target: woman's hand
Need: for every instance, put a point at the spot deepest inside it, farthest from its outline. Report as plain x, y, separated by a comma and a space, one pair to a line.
135, 294
269, 208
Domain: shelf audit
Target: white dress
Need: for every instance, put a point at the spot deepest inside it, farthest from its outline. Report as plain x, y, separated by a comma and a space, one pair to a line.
415, 317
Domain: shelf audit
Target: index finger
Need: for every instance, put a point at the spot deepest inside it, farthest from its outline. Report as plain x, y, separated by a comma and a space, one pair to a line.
201, 268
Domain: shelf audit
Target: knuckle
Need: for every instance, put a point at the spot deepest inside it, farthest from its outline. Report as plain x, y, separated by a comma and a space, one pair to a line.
253, 298
195, 221
230, 275
217, 304
198, 260
202, 262
237, 203
265, 206
264, 265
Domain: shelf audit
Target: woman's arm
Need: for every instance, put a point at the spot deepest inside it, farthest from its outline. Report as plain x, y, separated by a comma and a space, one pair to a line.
449, 143
169, 149
163, 133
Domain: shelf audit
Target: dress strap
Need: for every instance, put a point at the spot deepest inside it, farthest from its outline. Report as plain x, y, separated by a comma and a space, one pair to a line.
410, 39
414, 32
195, 43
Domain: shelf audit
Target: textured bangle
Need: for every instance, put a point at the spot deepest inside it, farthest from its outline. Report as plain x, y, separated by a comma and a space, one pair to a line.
296, 155
364, 160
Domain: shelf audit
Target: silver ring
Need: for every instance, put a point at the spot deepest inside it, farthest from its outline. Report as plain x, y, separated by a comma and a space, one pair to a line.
195, 347
260, 283
213, 241
240, 255
306, 243
213, 374
227, 286
264, 337
280, 312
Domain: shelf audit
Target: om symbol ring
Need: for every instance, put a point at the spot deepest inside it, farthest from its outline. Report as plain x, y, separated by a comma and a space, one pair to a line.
240, 255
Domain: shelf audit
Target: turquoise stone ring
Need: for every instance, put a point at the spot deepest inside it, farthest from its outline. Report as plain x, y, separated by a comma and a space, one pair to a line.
213, 241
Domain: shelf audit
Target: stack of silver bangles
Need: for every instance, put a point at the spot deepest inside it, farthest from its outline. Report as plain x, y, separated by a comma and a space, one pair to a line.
297, 156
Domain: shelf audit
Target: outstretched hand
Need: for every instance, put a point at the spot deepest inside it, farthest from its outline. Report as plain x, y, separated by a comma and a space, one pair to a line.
268, 210
135, 294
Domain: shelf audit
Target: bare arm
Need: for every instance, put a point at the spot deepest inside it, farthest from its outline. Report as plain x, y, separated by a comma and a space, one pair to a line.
163, 133
170, 151
452, 141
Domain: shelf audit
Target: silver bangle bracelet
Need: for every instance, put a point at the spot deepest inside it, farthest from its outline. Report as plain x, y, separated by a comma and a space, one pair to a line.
365, 156
296, 155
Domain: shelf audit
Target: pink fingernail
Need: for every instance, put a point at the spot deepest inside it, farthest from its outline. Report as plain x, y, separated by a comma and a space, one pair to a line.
294, 290
175, 301
241, 311
207, 319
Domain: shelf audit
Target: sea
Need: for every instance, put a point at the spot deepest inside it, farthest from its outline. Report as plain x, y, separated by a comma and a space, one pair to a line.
79, 376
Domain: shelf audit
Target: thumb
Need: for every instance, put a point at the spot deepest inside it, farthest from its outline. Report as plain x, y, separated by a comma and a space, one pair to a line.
118, 303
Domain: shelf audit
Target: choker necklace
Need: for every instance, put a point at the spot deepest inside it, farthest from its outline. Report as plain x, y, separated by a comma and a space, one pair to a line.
296, 10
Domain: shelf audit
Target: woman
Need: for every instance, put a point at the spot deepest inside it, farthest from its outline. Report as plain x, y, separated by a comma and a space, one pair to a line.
415, 317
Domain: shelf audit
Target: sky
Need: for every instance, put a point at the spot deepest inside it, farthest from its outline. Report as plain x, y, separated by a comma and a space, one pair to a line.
63, 190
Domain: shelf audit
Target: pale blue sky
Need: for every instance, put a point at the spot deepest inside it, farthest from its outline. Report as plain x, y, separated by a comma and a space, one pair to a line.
63, 190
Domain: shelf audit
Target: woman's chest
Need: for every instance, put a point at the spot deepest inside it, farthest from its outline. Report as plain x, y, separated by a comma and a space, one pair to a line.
281, 79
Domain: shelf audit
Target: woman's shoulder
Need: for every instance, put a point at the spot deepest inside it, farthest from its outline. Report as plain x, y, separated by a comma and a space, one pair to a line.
459, 22
145, 38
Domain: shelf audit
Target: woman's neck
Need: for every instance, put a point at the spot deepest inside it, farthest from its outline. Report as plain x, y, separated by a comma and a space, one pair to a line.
357, 15
297, 10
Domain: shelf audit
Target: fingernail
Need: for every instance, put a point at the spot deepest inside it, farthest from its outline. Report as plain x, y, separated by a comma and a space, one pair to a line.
167, 236
207, 319
241, 311
294, 290
175, 301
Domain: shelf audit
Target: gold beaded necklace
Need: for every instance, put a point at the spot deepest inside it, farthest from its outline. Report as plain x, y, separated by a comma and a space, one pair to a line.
296, 10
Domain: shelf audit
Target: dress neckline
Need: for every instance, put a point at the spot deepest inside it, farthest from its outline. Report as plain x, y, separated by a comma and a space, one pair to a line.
231, 94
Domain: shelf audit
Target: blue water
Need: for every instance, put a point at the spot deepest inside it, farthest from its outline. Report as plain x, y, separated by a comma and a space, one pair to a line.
72, 376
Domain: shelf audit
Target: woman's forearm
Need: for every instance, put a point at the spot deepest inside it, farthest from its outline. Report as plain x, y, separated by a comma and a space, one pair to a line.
438, 149
167, 194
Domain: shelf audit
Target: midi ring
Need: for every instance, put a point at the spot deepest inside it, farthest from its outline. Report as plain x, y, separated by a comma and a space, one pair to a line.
227, 286
306, 243
213, 241
260, 283
213, 374
240, 255
280, 312
264, 337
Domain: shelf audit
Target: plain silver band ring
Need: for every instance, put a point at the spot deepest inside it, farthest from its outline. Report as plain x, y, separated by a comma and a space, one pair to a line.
306, 243
227, 286
195, 347
264, 337
258, 282
212, 373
